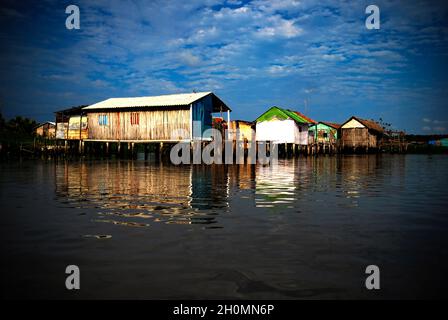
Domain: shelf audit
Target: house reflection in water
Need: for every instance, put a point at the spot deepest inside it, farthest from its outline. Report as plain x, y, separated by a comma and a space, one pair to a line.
210, 187
359, 178
129, 193
135, 193
276, 186
296, 183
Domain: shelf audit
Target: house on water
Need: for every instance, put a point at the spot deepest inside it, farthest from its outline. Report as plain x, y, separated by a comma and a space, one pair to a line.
282, 126
357, 133
166, 118
71, 124
324, 135
245, 129
46, 130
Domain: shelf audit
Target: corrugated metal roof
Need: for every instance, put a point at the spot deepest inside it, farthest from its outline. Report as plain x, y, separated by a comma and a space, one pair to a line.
44, 123
183, 99
72, 110
305, 118
331, 124
281, 114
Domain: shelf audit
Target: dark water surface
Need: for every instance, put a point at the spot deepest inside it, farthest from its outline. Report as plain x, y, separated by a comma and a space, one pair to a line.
304, 229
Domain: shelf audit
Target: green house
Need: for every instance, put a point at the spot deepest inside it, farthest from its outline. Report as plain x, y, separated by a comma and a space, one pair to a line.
323, 132
283, 126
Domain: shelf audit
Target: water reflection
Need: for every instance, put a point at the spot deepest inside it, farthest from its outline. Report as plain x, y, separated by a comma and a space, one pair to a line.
121, 191
276, 185
306, 228
134, 193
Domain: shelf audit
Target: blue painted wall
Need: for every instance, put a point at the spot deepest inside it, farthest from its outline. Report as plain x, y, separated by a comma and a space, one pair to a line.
202, 112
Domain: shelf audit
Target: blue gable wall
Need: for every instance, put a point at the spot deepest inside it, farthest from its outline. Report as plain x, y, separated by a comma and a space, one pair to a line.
202, 111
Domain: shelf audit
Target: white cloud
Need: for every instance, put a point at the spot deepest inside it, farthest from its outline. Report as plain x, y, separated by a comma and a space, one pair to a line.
270, 6
280, 28
190, 59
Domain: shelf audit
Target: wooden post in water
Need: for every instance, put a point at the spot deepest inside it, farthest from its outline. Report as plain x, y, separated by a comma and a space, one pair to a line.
161, 152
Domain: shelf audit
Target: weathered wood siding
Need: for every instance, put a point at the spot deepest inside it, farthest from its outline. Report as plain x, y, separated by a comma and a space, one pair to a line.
61, 130
74, 130
40, 131
321, 133
245, 130
46, 130
358, 137
151, 125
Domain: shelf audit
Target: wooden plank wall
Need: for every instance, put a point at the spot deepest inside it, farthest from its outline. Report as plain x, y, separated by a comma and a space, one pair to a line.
152, 125
74, 132
358, 137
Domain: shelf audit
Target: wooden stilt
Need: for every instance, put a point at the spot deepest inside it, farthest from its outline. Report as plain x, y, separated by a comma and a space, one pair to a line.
161, 152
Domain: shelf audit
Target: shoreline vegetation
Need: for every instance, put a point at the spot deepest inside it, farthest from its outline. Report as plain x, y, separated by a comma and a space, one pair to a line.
18, 139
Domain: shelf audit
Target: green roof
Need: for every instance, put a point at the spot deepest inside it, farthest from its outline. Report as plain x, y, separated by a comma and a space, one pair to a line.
281, 114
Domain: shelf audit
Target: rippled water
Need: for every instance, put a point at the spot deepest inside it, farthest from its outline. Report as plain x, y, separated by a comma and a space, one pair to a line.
306, 228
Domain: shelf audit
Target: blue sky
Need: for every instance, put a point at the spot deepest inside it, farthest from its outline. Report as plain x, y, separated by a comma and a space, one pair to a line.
316, 57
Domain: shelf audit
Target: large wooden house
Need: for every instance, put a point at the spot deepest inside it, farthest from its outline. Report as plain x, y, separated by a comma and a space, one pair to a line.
166, 118
360, 133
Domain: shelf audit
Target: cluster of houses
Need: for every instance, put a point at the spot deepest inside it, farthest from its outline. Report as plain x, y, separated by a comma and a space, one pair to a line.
185, 117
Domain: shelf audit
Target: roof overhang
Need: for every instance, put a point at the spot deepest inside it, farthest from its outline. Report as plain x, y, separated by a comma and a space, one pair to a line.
173, 101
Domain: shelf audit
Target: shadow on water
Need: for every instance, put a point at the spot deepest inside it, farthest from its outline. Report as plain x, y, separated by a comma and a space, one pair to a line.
247, 286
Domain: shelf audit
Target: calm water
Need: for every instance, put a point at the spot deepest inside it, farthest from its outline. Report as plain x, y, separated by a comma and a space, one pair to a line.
304, 229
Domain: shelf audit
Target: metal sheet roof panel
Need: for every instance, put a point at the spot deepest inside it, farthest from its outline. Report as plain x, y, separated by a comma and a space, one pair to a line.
182, 99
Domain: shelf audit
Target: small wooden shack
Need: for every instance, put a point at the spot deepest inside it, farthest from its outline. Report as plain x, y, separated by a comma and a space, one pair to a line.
71, 124
357, 133
323, 133
245, 129
166, 118
46, 130
283, 126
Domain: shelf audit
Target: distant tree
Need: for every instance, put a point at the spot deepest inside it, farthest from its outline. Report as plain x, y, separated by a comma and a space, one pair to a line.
2, 122
20, 125
387, 127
